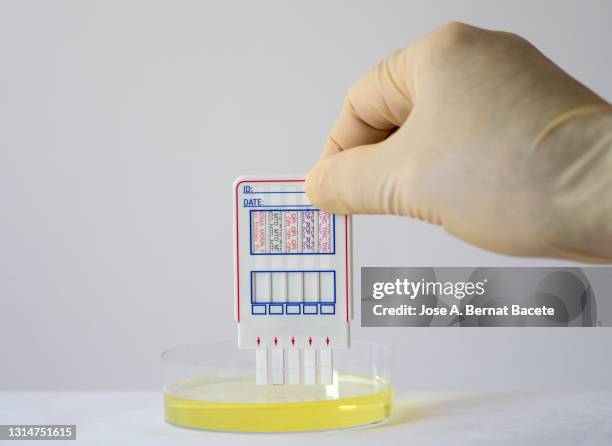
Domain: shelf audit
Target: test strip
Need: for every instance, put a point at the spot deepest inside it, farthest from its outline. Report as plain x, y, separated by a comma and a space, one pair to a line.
258, 222
277, 366
325, 367
293, 366
295, 286
261, 366
291, 232
279, 287
275, 227
311, 287
310, 366
325, 239
326, 286
308, 232
263, 287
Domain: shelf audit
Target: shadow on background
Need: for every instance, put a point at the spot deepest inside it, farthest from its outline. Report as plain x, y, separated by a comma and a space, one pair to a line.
412, 409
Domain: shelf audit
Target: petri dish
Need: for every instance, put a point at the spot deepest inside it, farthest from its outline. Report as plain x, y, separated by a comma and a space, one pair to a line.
212, 386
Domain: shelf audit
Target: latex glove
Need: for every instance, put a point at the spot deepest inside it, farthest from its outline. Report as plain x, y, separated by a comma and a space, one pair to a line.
479, 132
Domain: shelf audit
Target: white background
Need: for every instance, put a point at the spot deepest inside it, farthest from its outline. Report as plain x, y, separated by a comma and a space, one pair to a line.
122, 127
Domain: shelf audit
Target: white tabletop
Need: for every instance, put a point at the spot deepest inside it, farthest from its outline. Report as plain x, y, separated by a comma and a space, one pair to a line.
113, 418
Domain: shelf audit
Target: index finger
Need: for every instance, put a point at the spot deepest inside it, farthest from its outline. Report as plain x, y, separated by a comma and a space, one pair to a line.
377, 104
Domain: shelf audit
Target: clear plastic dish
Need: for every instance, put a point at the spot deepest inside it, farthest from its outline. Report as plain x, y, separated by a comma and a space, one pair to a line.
212, 386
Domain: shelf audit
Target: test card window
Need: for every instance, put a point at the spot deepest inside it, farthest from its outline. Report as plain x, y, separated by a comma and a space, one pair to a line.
292, 232
293, 292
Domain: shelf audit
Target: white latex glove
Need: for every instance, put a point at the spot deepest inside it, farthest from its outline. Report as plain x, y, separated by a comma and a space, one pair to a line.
479, 132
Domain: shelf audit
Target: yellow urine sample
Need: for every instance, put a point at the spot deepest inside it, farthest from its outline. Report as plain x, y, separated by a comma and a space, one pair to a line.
239, 405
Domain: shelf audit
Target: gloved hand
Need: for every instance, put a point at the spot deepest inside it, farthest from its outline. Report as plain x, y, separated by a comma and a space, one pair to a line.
479, 132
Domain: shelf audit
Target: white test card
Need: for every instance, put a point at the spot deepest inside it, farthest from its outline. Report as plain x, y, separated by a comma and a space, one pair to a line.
293, 280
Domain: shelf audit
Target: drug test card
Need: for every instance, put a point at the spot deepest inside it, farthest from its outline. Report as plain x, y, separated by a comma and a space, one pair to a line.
293, 280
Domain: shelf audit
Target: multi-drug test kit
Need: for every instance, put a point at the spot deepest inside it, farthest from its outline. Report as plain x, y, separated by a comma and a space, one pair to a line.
293, 306
293, 293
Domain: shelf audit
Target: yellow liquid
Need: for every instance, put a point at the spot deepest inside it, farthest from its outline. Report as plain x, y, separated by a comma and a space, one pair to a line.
238, 405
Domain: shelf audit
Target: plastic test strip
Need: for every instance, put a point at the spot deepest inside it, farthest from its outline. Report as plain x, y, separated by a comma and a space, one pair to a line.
293, 294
